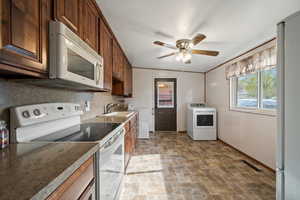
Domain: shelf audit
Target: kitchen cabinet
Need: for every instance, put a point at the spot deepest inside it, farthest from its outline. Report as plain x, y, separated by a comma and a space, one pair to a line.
80, 185
131, 130
24, 36
82, 17
118, 60
90, 24
130, 82
106, 50
127, 79
69, 12
128, 145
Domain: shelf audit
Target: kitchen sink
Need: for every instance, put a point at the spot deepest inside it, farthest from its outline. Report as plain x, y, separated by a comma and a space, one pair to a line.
119, 114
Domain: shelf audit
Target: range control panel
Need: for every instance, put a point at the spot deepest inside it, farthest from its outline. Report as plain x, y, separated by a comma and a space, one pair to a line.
33, 114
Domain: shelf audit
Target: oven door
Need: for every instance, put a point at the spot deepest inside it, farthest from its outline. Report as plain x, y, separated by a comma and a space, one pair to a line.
204, 119
111, 166
72, 59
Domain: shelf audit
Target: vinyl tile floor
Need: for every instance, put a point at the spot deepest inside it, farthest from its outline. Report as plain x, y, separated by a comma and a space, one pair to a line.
171, 166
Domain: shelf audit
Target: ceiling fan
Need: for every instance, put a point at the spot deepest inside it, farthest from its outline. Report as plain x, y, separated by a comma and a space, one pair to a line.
185, 49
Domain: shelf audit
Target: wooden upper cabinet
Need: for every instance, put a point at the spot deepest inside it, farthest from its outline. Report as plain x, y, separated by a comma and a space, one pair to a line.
127, 79
69, 12
118, 60
24, 35
106, 51
90, 23
130, 81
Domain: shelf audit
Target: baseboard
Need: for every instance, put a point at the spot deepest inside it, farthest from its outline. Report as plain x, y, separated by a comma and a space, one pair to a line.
182, 131
171, 131
249, 157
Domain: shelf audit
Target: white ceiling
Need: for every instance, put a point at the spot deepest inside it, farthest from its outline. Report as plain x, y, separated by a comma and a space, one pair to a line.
231, 27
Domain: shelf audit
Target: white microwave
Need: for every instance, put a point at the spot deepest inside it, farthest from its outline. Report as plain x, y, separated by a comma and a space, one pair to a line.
73, 62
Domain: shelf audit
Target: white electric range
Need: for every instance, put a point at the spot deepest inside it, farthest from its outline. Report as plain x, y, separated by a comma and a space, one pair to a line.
60, 122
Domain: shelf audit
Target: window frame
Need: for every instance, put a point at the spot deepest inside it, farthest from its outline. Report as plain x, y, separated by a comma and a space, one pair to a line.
233, 87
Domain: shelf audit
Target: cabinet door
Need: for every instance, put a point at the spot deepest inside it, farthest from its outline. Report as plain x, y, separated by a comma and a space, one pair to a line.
24, 33
118, 60
69, 12
106, 52
130, 81
126, 78
91, 24
121, 65
76, 185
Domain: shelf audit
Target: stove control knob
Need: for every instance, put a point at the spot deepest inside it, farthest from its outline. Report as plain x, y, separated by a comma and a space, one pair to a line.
36, 112
26, 114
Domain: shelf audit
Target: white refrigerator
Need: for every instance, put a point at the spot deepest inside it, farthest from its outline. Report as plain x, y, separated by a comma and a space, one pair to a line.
288, 140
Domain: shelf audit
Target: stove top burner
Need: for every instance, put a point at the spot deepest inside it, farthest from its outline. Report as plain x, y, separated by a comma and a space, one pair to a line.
87, 132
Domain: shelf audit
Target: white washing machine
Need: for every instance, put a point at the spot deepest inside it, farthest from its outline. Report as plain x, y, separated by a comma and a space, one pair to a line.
201, 122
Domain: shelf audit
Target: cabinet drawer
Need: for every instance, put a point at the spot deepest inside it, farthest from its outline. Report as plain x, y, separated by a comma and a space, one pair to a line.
76, 184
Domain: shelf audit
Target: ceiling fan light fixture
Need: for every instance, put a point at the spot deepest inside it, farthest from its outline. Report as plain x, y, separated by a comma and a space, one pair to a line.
185, 49
179, 56
187, 56
184, 56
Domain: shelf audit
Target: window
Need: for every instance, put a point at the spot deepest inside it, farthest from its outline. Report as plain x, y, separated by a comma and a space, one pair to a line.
165, 94
254, 92
247, 91
269, 89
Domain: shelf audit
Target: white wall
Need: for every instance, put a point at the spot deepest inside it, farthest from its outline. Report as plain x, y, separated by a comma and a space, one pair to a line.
253, 134
190, 88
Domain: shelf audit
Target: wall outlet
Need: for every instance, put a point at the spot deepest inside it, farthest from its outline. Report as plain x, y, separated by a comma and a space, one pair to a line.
87, 106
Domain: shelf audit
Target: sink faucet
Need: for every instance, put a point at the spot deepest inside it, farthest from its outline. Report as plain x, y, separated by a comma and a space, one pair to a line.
108, 107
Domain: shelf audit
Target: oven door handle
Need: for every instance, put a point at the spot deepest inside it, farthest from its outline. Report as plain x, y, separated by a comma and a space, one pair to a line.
112, 141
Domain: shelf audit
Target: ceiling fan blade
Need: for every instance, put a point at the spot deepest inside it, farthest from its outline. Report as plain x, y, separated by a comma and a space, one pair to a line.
164, 45
205, 52
171, 54
198, 38
188, 62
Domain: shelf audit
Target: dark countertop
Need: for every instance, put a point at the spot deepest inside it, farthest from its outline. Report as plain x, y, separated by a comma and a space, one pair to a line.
35, 170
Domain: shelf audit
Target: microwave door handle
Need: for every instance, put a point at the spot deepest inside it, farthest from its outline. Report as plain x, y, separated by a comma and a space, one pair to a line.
97, 73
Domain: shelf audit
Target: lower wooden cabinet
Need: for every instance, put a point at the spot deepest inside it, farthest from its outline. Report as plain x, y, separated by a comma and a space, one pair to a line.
79, 185
131, 128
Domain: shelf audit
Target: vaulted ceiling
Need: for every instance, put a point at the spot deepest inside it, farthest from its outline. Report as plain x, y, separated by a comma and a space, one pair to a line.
231, 27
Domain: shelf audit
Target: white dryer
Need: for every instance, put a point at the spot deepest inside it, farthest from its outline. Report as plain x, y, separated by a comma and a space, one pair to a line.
201, 122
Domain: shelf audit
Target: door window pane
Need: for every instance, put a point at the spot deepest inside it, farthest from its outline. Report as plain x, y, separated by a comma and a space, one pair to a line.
165, 94
268, 78
247, 91
80, 66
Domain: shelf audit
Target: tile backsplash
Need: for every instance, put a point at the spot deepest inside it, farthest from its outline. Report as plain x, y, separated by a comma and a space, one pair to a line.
16, 94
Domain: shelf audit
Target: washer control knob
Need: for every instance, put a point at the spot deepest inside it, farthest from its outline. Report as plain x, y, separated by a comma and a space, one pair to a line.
36, 112
26, 114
